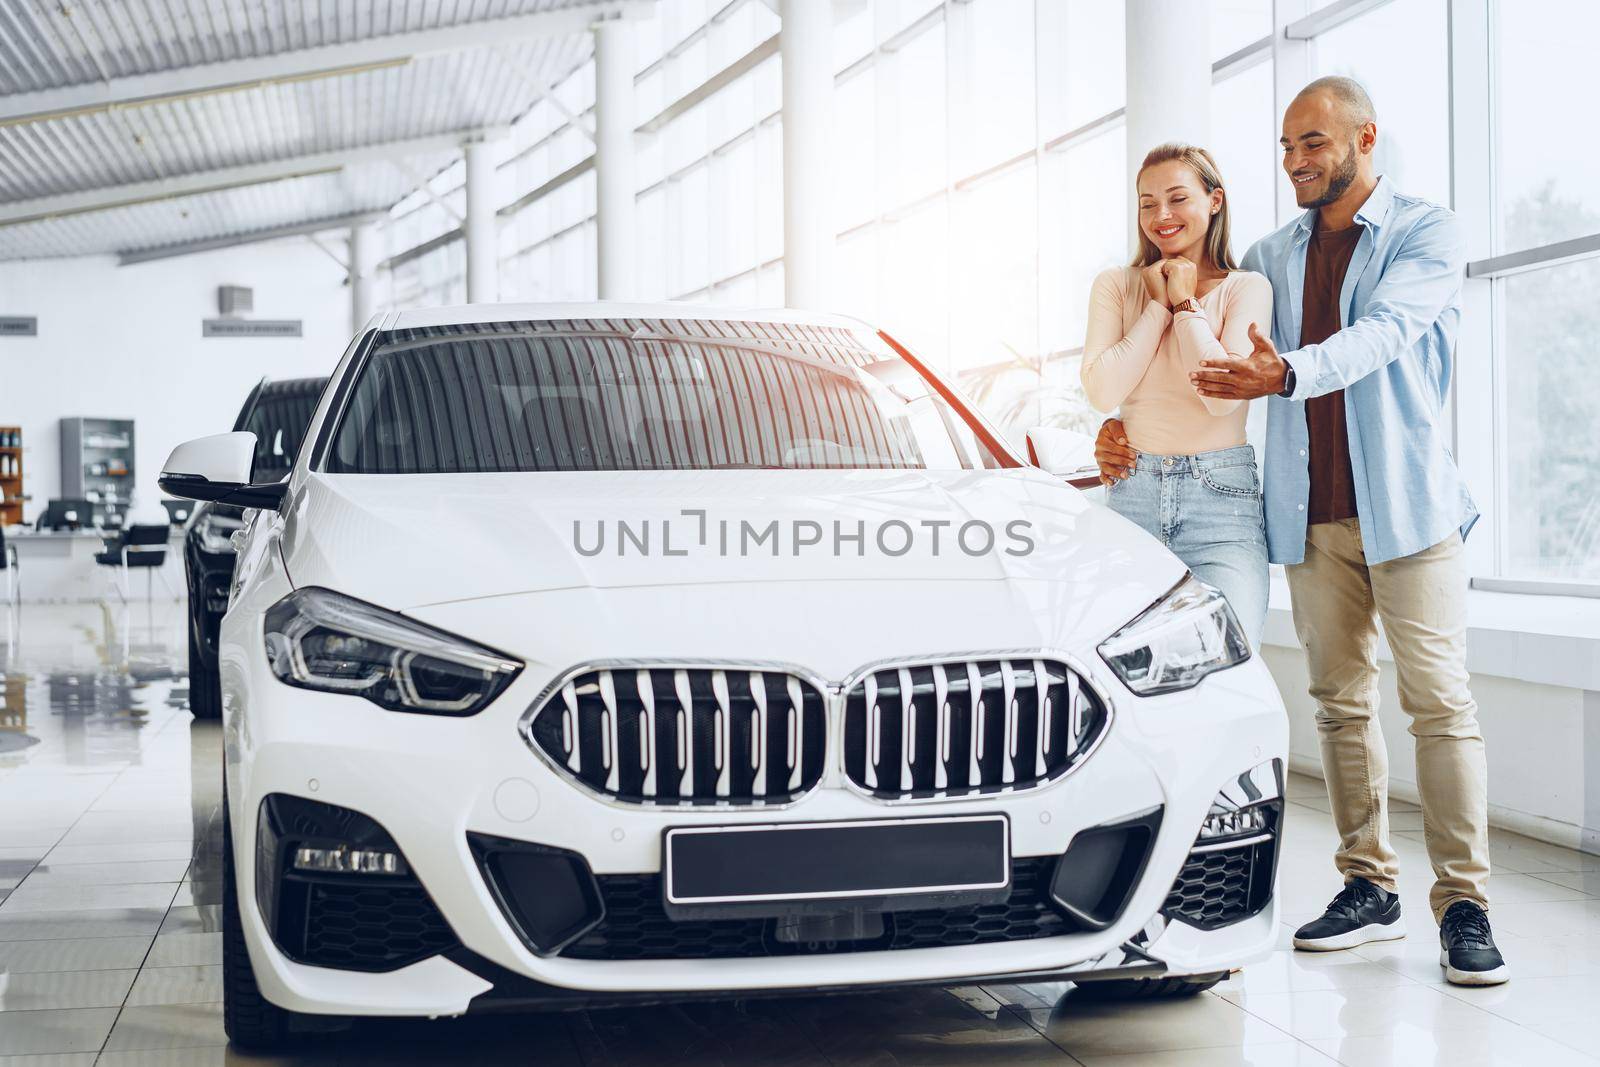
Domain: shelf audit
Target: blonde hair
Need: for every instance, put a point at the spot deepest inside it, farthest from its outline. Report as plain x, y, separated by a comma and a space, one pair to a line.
1205, 168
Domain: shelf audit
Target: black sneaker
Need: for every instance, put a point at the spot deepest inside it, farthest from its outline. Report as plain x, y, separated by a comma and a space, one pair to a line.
1466, 947
1360, 913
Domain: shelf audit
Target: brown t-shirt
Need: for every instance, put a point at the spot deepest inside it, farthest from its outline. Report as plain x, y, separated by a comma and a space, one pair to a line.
1333, 490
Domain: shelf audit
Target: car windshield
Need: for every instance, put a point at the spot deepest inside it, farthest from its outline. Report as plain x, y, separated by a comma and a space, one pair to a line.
658, 395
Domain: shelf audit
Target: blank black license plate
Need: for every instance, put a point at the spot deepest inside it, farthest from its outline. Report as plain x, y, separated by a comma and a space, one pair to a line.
885, 864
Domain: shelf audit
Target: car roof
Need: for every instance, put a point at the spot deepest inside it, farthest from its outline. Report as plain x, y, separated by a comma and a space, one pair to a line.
421, 318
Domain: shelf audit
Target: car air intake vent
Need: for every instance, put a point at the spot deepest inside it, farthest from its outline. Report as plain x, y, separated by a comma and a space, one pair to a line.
686, 735
968, 726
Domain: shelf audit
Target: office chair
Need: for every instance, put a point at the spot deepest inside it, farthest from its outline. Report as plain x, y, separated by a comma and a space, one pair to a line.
138, 545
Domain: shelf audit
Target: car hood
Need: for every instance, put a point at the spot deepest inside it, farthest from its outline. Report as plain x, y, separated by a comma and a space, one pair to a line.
407, 541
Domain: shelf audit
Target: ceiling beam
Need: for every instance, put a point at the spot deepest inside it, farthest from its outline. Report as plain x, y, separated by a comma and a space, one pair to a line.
235, 75
233, 240
210, 181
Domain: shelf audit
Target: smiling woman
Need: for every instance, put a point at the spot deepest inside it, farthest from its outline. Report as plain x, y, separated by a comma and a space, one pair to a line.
1188, 476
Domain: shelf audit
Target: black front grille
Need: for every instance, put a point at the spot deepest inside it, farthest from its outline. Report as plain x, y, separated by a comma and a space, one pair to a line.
1221, 886
968, 726
363, 927
636, 928
686, 735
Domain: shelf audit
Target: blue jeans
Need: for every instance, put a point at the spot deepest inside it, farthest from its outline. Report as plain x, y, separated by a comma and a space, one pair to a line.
1207, 509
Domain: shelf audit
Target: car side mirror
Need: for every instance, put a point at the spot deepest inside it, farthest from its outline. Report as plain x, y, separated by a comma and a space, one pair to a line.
1065, 453
218, 468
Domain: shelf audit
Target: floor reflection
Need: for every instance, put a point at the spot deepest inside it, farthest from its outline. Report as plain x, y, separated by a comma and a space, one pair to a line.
110, 886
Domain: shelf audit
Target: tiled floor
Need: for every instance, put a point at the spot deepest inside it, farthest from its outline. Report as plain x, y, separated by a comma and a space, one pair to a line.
109, 950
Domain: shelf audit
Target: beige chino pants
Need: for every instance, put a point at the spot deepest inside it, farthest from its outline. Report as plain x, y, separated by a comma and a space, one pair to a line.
1422, 600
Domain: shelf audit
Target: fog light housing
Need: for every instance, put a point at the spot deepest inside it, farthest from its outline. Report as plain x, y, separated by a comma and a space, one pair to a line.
335, 890
1243, 822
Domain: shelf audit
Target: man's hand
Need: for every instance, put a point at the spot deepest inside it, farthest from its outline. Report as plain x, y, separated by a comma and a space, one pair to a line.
1113, 453
1180, 279
1155, 282
1261, 373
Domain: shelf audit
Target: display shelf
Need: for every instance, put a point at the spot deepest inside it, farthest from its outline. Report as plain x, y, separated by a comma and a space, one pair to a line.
97, 466
10, 475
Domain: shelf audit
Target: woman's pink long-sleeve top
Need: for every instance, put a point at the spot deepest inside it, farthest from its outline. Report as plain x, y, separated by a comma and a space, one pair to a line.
1138, 355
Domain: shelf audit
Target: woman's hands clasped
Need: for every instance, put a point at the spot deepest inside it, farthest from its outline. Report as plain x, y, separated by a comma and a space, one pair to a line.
1181, 279
1170, 281
1155, 282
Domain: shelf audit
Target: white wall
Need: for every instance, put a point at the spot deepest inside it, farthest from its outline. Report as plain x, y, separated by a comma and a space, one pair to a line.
124, 342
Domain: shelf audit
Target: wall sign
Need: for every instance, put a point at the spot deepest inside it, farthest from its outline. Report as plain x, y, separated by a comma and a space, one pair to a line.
19, 326
250, 328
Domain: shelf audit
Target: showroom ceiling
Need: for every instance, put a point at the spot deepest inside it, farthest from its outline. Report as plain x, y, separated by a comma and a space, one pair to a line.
135, 125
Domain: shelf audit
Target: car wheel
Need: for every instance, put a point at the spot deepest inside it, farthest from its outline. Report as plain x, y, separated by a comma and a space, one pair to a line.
250, 1020
205, 683
1148, 988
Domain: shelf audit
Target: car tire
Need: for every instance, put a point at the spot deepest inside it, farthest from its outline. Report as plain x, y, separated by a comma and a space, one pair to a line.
1149, 988
205, 683
248, 1018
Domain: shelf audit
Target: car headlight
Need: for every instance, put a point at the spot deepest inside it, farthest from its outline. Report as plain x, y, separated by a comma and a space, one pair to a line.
319, 639
1187, 634
216, 532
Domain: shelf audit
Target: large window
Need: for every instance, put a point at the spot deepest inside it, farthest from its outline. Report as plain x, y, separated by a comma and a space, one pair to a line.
1546, 318
1244, 142
1550, 326
1400, 52
1547, 167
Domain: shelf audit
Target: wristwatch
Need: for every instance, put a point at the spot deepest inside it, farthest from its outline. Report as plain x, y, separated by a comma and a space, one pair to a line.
1190, 304
1288, 381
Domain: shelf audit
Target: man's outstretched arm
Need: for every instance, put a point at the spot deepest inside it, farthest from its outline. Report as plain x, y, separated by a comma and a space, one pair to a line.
1421, 281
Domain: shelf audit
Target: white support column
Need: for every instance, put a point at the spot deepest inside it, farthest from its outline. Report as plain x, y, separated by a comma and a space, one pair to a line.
483, 253
806, 46
365, 252
1169, 77
1291, 70
615, 187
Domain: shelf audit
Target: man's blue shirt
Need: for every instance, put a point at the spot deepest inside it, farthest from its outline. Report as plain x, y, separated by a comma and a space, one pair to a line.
1399, 306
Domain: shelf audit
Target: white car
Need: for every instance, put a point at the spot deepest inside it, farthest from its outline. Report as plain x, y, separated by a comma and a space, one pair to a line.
602, 654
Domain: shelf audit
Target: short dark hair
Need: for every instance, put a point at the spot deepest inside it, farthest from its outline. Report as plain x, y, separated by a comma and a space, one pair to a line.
1348, 93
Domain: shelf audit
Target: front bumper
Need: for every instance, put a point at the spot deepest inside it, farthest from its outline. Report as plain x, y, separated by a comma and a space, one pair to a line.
432, 783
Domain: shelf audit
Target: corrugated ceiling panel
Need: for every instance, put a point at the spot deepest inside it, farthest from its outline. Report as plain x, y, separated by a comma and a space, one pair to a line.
364, 187
46, 44
430, 95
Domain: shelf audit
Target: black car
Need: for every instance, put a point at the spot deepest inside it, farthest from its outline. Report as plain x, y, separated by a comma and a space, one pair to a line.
277, 413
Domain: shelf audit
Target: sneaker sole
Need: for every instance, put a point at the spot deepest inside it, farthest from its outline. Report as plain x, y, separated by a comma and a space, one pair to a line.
1360, 936
1498, 976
